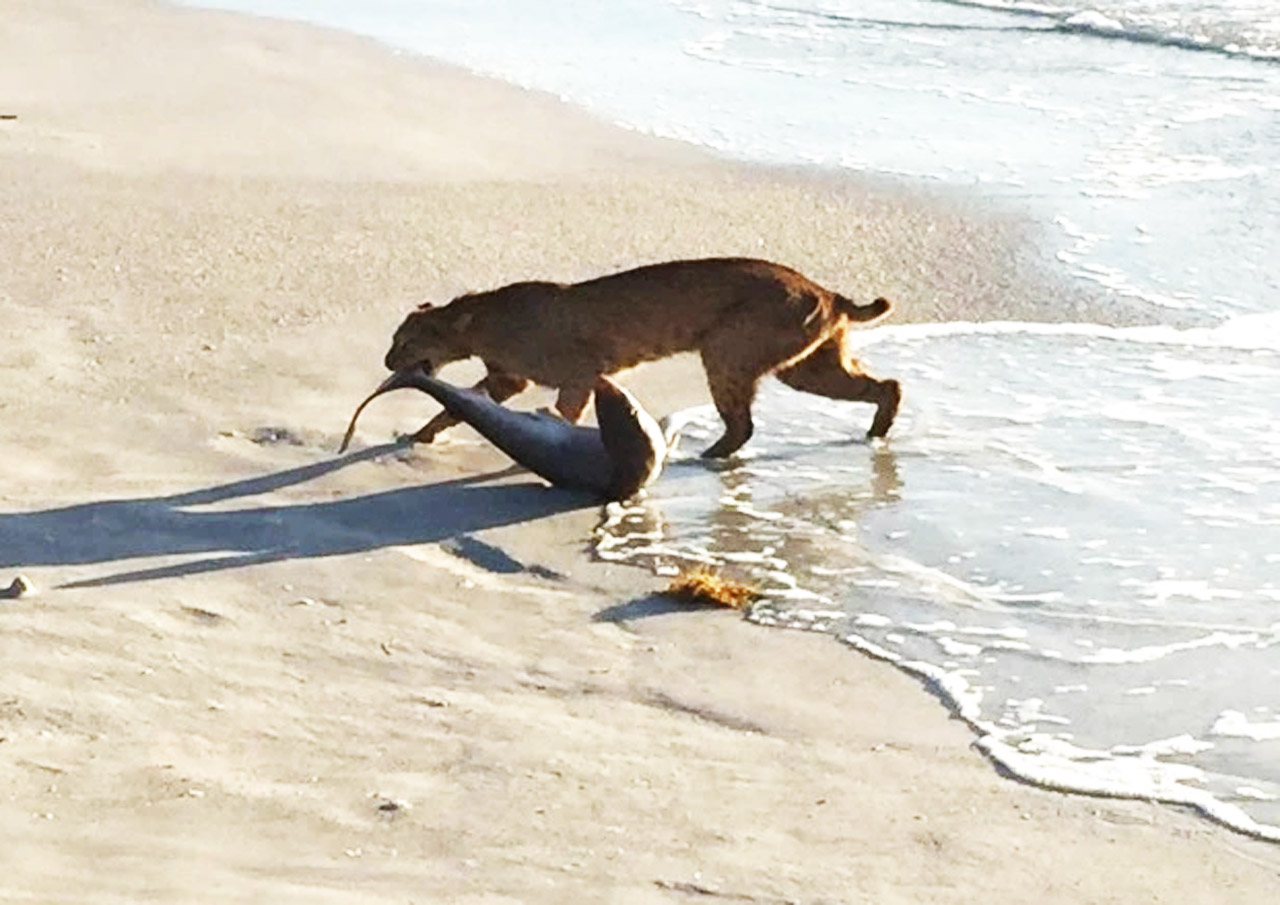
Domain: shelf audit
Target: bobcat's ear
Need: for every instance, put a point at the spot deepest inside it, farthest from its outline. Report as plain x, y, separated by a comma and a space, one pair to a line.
425, 306
462, 320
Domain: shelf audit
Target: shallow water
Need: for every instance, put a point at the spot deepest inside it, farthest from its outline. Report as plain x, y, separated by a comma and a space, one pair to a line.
1155, 164
1070, 533
1073, 533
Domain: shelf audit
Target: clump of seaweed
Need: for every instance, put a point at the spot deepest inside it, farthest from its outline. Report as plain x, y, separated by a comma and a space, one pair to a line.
704, 585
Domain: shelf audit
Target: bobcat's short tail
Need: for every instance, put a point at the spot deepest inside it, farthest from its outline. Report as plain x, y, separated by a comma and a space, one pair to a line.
862, 313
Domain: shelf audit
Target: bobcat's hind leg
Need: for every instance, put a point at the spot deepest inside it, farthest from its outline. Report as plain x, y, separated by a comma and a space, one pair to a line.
733, 402
734, 363
832, 372
733, 392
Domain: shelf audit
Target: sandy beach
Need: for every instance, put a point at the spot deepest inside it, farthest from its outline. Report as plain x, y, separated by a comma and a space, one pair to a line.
252, 670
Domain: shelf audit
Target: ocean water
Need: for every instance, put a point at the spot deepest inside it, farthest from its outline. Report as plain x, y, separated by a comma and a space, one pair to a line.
1073, 533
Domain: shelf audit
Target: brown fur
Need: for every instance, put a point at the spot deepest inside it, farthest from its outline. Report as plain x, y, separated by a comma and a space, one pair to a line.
747, 318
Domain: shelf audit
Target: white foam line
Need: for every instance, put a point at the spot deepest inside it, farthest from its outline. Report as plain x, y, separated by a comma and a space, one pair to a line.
1065, 775
1234, 724
938, 581
1090, 618
1126, 777
1056, 764
1247, 332
1112, 656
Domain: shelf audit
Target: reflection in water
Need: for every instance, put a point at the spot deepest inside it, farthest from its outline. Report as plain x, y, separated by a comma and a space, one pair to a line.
747, 514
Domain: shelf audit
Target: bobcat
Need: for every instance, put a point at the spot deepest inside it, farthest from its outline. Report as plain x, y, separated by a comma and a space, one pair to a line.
747, 318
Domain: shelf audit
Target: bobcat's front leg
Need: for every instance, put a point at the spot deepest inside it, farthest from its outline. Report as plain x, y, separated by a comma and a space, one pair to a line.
573, 401
498, 385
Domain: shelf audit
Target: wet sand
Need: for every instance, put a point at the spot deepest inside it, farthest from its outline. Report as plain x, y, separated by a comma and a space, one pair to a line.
252, 670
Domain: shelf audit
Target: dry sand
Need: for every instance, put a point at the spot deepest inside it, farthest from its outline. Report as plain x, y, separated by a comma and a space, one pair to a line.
256, 672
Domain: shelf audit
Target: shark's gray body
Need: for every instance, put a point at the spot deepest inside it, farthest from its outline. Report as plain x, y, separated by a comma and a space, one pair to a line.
614, 461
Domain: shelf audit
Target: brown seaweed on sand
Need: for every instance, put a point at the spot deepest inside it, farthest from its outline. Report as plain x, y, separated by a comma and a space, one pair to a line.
706, 586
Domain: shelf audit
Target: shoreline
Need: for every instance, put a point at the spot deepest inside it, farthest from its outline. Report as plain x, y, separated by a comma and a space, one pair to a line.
286, 676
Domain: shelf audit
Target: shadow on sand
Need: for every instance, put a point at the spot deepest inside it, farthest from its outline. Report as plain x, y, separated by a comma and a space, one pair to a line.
647, 606
112, 530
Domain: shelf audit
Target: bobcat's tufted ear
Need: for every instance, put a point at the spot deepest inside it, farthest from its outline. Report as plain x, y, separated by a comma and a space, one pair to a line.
425, 306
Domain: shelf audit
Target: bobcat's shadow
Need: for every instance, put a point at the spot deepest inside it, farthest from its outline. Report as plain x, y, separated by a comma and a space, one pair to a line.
182, 525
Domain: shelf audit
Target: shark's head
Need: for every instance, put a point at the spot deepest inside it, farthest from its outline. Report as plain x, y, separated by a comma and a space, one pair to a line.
632, 437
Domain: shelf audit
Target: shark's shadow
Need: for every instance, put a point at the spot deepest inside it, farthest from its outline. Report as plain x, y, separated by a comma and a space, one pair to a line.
113, 530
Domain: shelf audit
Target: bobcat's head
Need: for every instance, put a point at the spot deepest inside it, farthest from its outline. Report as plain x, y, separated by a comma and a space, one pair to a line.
430, 337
